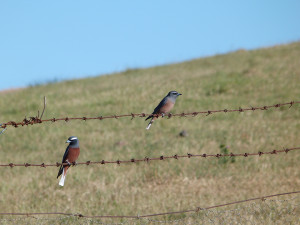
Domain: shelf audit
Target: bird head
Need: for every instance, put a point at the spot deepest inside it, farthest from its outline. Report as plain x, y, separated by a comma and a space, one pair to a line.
173, 94
72, 140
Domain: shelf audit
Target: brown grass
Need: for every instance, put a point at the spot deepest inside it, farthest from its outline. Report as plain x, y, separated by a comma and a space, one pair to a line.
243, 78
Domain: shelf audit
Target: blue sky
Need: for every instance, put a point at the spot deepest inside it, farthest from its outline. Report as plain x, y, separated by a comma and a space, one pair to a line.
42, 41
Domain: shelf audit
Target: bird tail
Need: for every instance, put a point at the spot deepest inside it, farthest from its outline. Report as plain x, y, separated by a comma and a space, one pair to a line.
63, 177
61, 169
148, 118
149, 125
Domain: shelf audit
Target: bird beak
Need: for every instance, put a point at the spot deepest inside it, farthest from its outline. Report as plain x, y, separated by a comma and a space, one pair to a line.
179, 94
68, 141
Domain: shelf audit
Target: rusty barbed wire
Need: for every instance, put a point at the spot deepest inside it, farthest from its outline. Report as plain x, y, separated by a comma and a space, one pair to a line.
60, 220
283, 209
253, 208
39, 120
194, 210
160, 158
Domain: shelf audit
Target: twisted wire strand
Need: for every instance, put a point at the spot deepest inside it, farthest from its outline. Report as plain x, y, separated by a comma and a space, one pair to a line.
147, 159
38, 120
195, 210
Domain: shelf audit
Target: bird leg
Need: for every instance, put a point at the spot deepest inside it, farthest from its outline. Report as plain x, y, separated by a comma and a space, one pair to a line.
69, 164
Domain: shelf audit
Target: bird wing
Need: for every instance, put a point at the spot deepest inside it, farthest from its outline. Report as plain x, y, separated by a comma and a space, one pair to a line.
66, 154
161, 104
63, 160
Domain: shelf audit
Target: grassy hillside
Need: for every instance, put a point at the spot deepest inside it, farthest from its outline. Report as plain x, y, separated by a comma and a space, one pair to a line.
242, 78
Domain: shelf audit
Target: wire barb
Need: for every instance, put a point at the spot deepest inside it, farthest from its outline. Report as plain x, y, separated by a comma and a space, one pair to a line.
43, 108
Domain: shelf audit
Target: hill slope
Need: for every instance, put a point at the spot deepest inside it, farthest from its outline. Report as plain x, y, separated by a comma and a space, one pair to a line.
242, 78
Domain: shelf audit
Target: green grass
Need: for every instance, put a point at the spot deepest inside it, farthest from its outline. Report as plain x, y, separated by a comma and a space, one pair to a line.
242, 78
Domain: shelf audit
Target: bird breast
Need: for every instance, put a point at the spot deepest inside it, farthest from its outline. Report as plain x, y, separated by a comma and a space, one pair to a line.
73, 154
167, 107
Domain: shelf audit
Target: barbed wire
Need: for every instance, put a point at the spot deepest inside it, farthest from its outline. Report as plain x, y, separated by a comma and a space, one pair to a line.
147, 159
284, 209
195, 210
39, 120
58, 219
217, 213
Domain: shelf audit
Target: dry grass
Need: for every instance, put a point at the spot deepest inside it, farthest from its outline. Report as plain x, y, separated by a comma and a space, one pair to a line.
265, 76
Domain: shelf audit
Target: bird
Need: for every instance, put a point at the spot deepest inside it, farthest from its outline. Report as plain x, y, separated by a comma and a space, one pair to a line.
163, 107
70, 157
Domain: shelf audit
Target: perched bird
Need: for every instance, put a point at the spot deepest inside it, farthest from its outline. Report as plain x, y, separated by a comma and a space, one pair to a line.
70, 157
164, 106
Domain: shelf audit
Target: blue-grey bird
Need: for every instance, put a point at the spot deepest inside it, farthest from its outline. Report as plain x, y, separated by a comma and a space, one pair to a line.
70, 156
164, 106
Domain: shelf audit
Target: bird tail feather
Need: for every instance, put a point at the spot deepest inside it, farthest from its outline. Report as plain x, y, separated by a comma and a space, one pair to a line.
149, 125
62, 179
61, 169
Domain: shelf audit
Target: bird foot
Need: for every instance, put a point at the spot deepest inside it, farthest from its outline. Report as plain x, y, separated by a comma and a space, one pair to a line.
162, 115
74, 163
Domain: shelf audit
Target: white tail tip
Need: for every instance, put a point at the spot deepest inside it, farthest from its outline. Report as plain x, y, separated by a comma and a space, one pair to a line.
148, 127
62, 179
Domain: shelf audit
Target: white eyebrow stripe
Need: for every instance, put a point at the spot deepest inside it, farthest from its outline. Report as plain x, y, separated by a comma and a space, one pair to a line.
74, 138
